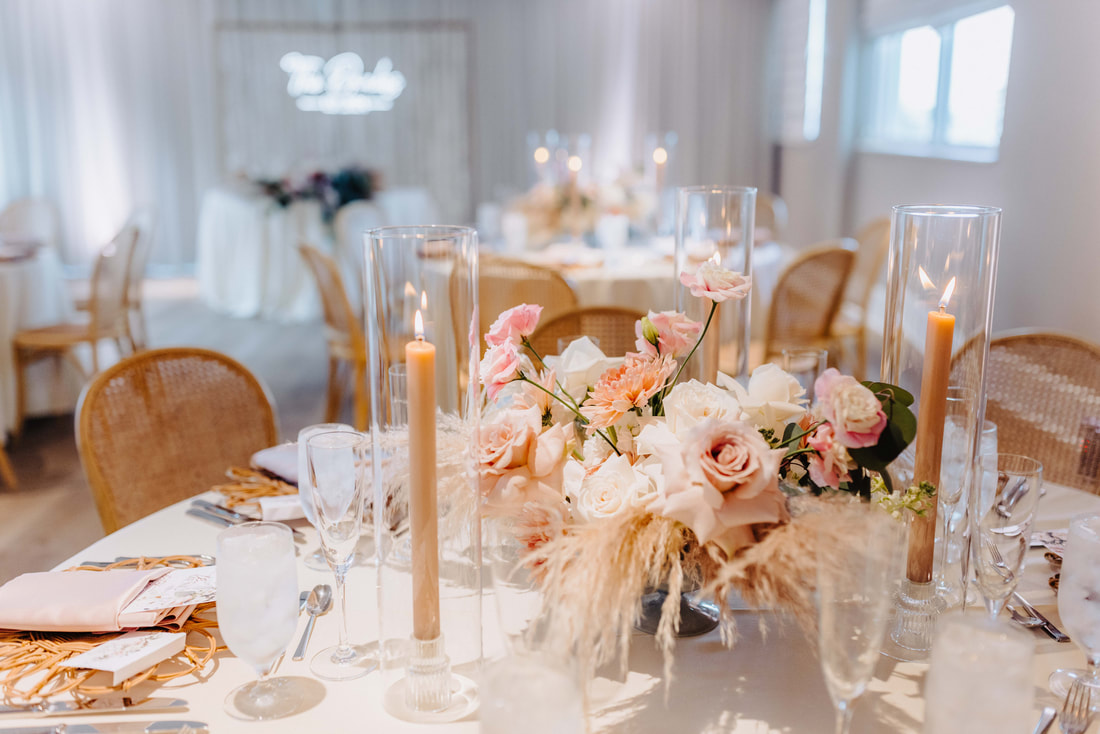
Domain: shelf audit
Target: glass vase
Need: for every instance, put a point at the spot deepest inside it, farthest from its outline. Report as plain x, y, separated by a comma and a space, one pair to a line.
939, 313
421, 285
716, 223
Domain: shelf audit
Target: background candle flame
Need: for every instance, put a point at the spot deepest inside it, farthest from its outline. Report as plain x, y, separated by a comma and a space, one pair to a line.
418, 325
947, 293
424, 300
924, 279
717, 258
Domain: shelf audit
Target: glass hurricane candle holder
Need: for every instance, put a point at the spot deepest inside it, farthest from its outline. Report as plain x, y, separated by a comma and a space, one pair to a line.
939, 312
716, 223
421, 314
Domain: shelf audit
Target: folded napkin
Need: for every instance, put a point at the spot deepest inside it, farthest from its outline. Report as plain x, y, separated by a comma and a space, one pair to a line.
81, 601
283, 507
281, 460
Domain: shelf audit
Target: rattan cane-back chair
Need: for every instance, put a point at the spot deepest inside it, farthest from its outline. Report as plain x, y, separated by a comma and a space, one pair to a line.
7, 473
807, 297
1043, 392
344, 335
163, 425
771, 214
613, 327
504, 283
851, 322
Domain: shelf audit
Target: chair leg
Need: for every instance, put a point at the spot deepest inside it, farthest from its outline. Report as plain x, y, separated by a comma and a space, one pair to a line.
7, 473
861, 353
362, 402
135, 328
332, 403
20, 393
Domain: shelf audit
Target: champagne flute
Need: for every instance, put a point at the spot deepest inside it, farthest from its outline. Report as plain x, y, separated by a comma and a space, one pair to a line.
257, 604
1079, 603
855, 588
338, 483
955, 475
315, 560
1001, 524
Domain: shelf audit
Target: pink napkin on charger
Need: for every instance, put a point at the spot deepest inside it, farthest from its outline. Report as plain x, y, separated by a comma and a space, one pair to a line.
81, 601
281, 460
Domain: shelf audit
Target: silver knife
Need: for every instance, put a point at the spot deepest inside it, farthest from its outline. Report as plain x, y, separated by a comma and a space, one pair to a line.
103, 705
210, 517
235, 517
1045, 720
1053, 632
121, 727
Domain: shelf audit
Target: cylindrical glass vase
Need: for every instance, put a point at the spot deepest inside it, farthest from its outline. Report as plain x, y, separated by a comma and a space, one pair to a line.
422, 326
716, 223
939, 313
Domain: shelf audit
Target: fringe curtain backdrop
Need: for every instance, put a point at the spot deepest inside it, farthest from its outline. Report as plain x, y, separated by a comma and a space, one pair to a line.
107, 104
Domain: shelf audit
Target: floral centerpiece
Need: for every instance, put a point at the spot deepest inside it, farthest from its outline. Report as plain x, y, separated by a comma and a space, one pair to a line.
331, 190
616, 477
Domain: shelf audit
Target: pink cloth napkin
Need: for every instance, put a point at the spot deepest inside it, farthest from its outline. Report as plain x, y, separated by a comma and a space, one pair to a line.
80, 601
281, 460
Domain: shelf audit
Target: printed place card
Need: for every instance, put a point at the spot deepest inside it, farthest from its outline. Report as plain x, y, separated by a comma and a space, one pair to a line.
182, 587
128, 655
1053, 540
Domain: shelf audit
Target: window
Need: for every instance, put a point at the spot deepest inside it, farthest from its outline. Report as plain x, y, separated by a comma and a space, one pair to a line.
939, 90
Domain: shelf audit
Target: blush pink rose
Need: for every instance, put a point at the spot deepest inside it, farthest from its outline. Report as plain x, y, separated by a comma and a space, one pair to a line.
518, 462
716, 283
514, 324
831, 464
722, 480
499, 366
853, 411
675, 334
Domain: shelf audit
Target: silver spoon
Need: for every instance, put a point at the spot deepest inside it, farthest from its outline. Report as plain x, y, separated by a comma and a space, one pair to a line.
319, 602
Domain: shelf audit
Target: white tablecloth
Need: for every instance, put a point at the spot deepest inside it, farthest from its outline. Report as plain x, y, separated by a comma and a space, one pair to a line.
248, 260
768, 683
32, 294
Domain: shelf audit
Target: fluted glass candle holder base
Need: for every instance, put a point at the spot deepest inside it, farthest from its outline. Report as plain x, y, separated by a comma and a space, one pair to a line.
916, 609
429, 692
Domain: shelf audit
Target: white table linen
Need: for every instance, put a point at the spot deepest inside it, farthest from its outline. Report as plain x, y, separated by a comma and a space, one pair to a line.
33, 293
770, 682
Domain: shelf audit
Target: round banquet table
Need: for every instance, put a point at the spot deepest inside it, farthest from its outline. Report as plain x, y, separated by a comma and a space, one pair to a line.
769, 682
32, 294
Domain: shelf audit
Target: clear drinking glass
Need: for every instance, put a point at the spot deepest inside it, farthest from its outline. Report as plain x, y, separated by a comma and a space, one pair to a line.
257, 604
855, 593
338, 480
955, 475
315, 560
1079, 603
806, 365
399, 394
1001, 527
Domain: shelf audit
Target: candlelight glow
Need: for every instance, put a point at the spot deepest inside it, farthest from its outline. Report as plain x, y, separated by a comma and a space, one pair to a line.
716, 258
541, 155
410, 291
424, 300
660, 155
574, 163
947, 293
418, 326
924, 279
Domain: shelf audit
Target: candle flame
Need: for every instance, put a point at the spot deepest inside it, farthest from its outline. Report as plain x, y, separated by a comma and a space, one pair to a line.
924, 279
424, 300
418, 326
410, 291
716, 258
947, 293
660, 155
574, 163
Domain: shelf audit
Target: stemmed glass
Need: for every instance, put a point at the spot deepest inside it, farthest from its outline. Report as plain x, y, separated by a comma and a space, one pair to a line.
1001, 523
257, 603
338, 483
1079, 603
855, 592
315, 560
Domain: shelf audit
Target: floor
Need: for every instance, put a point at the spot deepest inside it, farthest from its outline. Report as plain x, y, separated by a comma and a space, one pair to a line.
51, 516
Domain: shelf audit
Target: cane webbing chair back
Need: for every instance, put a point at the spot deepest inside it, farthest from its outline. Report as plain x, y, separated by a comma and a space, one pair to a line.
504, 283
1043, 392
613, 327
771, 214
807, 297
110, 280
165, 424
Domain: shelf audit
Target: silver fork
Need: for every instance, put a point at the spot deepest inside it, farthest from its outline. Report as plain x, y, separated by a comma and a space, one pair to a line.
998, 560
1076, 716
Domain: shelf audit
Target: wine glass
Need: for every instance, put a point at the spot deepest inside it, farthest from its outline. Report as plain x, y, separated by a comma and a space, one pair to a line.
1079, 603
338, 483
315, 560
257, 605
1001, 523
806, 365
855, 587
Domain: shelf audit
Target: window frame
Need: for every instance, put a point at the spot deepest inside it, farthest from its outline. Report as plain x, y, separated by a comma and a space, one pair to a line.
937, 147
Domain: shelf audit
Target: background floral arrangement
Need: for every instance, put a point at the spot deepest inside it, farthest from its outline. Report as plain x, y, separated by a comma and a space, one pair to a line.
616, 477
332, 190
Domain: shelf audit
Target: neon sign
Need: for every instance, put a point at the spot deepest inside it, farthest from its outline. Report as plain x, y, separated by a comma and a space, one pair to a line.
341, 85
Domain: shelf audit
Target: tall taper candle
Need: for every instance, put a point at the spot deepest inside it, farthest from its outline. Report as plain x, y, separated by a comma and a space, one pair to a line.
939, 335
423, 520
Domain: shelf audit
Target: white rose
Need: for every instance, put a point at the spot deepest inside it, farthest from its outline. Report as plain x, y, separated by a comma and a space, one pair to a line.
690, 402
611, 490
773, 397
580, 366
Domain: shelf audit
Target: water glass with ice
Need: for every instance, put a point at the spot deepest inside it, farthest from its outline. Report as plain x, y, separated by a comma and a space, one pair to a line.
1079, 603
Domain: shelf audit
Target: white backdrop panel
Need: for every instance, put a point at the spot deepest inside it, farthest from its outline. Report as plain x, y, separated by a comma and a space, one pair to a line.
423, 141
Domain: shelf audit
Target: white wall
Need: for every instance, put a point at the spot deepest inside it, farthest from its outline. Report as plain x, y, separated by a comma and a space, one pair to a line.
1047, 179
